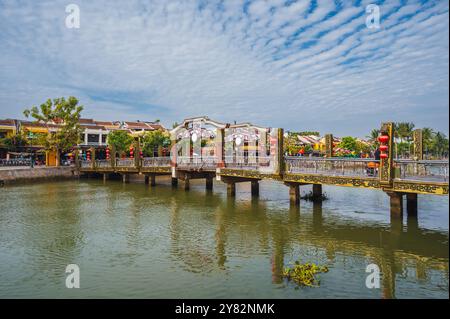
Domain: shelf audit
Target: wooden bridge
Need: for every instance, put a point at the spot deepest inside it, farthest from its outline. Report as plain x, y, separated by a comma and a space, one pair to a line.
206, 149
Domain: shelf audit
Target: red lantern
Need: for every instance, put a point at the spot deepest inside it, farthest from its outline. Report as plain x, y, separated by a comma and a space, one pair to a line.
131, 152
88, 155
383, 148
383, 139
107, 153
141, 155
383, 155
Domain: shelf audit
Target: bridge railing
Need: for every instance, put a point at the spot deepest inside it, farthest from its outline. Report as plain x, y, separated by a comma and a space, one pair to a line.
15, 162
423, 170
103, 163
125, 162
85, 164
156, 161
197, 162
244, 162
352, 167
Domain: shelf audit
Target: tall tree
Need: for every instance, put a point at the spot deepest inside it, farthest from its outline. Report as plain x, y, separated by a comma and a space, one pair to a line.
153, 140
15, 142
121, 141
66, 113
440, 144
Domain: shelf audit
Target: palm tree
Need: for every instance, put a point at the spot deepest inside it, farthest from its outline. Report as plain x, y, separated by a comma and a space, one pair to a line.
373, 137
403, 131
440, 144
427, 139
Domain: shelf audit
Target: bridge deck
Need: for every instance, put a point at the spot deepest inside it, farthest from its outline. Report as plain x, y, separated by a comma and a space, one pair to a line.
423, 177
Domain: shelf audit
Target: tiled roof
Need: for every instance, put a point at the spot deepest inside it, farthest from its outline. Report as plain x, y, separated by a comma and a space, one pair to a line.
8, 122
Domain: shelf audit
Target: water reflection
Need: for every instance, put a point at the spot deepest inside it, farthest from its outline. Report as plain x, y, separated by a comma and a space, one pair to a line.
139, 241
407, 252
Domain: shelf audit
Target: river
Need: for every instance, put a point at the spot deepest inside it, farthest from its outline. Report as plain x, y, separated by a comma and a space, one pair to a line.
137, 241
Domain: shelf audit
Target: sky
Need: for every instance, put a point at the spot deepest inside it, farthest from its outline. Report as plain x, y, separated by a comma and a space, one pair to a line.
300, 65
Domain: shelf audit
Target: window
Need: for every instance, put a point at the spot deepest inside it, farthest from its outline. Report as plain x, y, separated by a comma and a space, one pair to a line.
93, 138
104, 139
2, 134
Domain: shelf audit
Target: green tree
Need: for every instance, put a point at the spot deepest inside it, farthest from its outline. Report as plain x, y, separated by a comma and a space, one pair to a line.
440, 144
65, 112
153, 140
15, 142
427, 138
404, 131
349, 143
120, 140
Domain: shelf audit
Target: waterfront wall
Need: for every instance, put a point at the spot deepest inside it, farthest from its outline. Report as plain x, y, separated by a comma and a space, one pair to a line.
23, 175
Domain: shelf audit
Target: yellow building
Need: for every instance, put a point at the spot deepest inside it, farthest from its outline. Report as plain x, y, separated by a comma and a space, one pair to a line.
8, 128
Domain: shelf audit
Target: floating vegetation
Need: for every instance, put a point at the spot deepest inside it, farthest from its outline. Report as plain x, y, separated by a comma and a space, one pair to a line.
304, 274
314, 198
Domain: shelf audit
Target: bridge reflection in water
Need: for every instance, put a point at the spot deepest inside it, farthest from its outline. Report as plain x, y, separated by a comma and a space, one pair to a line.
408, 252
206, 149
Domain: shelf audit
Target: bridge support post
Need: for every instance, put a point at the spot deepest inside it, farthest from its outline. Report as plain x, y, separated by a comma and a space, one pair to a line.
125, 178
396, 203
209, 182
411, 204
317, 191
231, 189
294, 194
255, 188
146, 179
174, 182
105, 177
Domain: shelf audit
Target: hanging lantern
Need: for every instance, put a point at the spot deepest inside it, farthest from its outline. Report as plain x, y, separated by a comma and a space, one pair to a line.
131, 152
107, 153
88, 155
141, 155
383, 148
383, 139
383, 155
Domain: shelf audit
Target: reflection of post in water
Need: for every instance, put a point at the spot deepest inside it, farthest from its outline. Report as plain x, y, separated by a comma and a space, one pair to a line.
280, 240
294, 214
220, 238
317, 216
388, 276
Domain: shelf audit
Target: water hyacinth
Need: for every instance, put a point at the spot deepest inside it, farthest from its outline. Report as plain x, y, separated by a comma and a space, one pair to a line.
304, 274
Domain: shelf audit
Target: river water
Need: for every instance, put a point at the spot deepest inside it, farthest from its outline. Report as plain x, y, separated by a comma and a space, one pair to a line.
137, 241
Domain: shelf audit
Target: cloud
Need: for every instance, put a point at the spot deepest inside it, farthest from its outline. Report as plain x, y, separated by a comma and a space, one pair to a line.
294, 64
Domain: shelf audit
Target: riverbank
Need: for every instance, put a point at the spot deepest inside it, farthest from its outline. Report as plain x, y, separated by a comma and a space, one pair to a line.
16, 175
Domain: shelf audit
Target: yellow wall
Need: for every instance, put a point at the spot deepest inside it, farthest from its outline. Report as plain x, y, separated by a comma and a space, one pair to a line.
10, 131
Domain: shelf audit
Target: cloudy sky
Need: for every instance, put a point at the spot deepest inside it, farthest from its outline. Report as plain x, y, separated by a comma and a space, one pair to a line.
301, 65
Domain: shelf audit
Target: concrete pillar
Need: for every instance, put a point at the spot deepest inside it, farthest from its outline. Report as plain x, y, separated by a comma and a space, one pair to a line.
396, 202
411, 204
231, 189
125, 178
294, 194
255, 188
317, 191
146, 179
209, 182
174, 182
